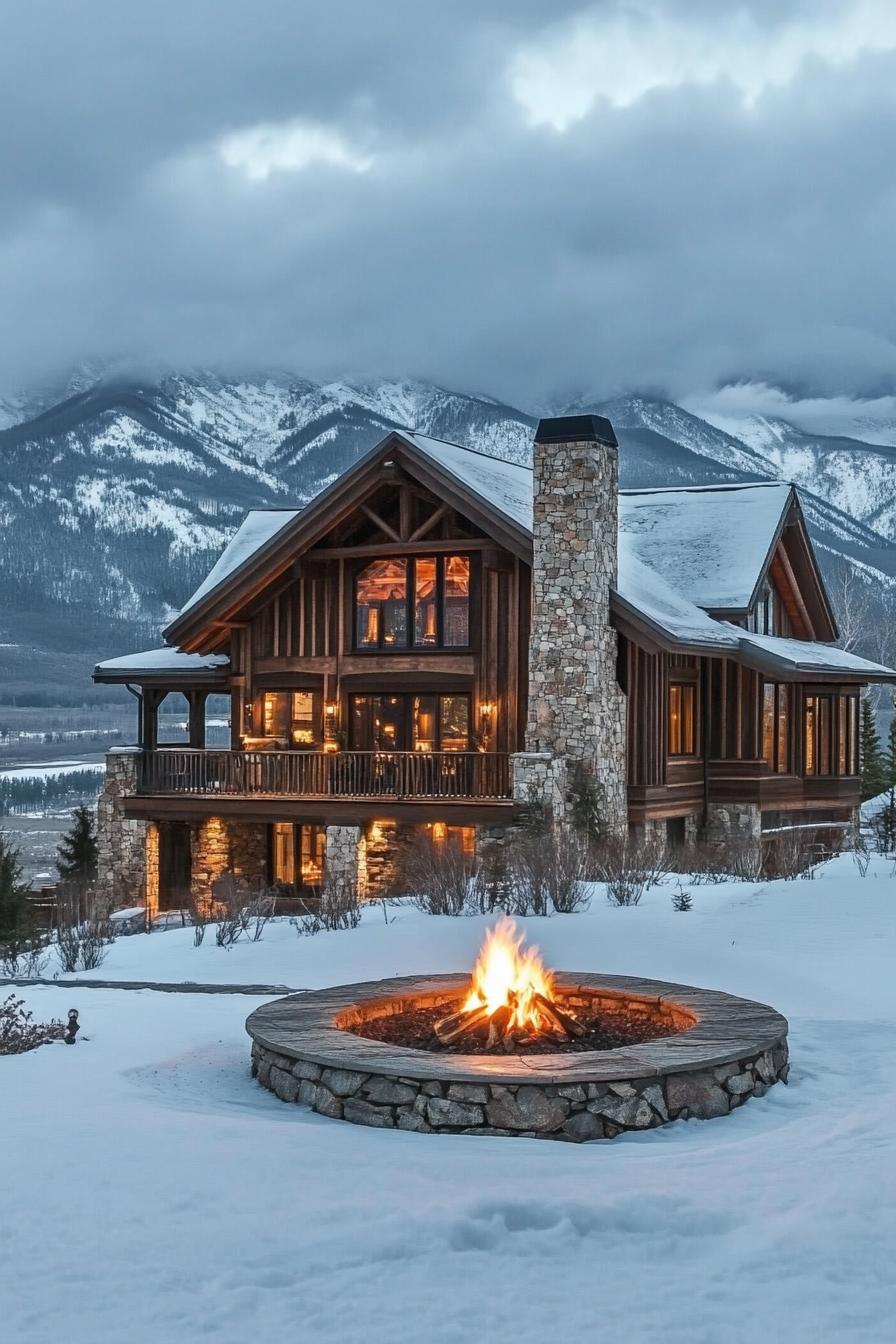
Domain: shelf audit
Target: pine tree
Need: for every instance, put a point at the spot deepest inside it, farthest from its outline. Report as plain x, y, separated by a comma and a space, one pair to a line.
13, 891
873, 778
887, 820
77, 850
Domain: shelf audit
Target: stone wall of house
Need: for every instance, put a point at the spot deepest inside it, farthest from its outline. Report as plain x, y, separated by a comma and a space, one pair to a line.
345, 858
576, 708
219, 846
121, 841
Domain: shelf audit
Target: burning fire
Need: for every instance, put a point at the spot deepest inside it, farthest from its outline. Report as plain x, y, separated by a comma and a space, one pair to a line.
511, 995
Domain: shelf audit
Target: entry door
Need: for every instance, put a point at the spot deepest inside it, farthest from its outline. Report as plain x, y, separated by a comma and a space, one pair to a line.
175, 865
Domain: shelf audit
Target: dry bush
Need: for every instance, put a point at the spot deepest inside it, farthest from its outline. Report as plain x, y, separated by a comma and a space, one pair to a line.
792, 854
339, 908
18, 1031
442, 879
257, 914
629, 867
547, 873
727, 860
230, 895
84, 946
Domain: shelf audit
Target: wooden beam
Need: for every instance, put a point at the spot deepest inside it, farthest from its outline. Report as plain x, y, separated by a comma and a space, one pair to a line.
380, 523
399, 548
425, 528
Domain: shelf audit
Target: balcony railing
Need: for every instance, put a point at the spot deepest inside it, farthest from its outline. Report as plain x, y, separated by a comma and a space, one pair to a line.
315, 774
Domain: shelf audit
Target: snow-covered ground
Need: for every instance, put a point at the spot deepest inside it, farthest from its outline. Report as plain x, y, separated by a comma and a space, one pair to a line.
152, 1192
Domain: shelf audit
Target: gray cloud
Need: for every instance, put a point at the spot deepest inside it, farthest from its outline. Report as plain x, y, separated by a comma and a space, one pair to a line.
405, 211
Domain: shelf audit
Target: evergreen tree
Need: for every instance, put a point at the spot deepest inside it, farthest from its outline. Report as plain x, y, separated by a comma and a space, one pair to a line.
77, 850
13, 891
873, 776
887, 821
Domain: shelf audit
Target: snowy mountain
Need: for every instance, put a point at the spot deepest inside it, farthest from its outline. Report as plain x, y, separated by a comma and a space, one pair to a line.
116, 496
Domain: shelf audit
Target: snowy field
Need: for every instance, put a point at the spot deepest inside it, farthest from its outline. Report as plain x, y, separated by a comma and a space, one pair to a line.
153, 1193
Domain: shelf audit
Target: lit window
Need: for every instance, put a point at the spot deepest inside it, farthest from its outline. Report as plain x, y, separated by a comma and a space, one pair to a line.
381, 598
428, 596
682, 733
776, 727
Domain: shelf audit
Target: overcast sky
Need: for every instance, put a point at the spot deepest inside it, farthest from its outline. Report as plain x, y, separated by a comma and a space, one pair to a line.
523, 197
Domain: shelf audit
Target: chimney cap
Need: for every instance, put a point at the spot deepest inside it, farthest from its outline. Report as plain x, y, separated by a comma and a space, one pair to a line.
576, 429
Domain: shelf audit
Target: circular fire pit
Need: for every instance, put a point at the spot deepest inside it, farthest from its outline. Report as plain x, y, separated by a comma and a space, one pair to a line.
313, 1048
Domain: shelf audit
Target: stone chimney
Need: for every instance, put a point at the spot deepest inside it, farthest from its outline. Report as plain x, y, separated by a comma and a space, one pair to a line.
576, 708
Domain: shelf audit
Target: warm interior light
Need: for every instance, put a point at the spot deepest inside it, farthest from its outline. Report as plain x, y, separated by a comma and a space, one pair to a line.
330, 709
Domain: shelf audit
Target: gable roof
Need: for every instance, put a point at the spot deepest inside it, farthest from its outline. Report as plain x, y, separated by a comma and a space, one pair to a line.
683, 551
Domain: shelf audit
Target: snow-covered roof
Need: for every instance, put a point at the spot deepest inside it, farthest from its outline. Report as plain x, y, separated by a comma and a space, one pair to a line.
683, 551
711, 542
256, 529
801, 656
161, 662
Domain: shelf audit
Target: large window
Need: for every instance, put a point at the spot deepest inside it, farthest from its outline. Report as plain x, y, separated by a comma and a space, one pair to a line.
776, 717
830, 735
293, 716
423, 602
297, 854
422, 723
682, 735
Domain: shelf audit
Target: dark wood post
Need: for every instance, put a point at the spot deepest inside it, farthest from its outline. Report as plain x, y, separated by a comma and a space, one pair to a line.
197, 700
151, 701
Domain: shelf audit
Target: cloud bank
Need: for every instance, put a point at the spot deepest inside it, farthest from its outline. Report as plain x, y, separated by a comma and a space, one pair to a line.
534, 199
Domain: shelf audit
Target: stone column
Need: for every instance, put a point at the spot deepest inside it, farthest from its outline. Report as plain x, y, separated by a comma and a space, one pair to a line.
344, 859
576, 707
121, 841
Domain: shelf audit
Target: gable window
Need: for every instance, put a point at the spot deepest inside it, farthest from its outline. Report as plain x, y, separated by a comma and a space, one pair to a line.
830, 735
770, 616
423, 602
682, 733
776, 719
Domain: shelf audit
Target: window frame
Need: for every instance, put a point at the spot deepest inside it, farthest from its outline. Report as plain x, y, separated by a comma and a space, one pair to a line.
411, 644
299, 830
833, 737
779, 762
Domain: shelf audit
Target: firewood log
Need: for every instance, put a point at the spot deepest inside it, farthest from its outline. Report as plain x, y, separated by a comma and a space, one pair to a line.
472, 1021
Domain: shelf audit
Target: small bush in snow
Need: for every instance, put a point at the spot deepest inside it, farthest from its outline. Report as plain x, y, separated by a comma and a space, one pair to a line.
83, 947
18, 1032
682, 900
339, 908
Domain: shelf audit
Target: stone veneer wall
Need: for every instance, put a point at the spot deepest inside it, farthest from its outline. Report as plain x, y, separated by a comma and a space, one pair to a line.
121, 841
576, 708
219, 846
576, 1112
345, 857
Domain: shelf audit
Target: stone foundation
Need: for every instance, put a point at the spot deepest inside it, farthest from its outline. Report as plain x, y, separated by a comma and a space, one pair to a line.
303, 1052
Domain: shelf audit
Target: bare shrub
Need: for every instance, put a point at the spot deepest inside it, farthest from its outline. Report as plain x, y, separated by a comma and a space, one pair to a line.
792, 854
230, 895
442, 879
547, 873
83, 946
339, 908
722, 861
19, 1032
629, 867
257, 914
23, 952
861, 855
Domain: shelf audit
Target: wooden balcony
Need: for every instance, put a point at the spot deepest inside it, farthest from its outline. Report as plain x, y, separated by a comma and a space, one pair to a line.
405, 775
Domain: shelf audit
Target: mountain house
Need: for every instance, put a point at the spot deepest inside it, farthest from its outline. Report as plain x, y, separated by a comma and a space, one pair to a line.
439, 633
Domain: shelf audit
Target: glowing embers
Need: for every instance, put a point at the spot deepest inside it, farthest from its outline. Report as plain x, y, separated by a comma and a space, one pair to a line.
510, 999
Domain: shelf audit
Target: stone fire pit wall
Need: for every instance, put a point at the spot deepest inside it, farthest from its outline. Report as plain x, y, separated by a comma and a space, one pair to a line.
727, 1050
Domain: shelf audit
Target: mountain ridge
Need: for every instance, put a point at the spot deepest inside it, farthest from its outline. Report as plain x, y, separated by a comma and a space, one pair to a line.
116, 499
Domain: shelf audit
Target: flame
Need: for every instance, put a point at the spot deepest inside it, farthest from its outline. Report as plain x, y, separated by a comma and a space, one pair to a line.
507, 976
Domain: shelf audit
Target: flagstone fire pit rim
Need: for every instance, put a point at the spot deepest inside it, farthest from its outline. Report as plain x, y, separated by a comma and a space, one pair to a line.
306, 1027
